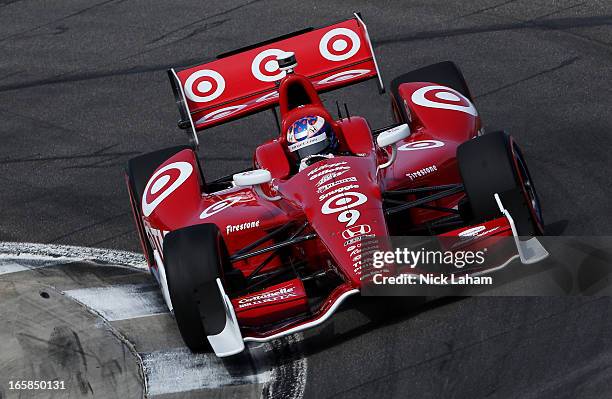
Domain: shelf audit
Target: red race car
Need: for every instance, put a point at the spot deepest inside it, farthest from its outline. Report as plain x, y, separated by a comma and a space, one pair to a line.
275, 249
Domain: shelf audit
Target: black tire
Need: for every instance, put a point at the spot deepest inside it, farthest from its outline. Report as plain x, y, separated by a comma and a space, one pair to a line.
194, 258
444, 73
493, 163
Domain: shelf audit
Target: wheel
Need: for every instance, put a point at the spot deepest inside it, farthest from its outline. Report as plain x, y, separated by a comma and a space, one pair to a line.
444, 73
493, 163
138, 172
194, 257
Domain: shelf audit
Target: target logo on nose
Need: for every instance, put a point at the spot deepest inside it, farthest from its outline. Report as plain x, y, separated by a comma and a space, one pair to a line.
264, 66
339, 44
204, 86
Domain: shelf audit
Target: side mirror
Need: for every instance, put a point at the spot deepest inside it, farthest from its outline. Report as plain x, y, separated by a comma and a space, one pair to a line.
252, 178
390, 138
393, 135
255, 178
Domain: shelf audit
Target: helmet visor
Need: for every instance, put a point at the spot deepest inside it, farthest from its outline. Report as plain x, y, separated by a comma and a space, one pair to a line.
310, 146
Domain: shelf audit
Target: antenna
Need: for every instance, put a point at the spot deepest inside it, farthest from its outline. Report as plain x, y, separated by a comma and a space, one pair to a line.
286, 61
339, 112
348, 115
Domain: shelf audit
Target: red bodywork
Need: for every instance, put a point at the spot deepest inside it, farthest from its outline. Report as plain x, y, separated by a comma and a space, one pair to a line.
339, 198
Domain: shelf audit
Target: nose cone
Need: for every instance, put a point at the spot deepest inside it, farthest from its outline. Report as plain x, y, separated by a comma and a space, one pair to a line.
342, 202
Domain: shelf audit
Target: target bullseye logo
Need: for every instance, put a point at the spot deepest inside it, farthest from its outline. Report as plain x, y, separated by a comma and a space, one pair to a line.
339, 44
219, 206
264, 66
163, 183
344, 75
421, 145
343, 201
443, 97
220, 113
204, 86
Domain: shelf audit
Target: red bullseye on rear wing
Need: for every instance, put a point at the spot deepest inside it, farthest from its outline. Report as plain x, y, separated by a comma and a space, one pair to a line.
244, 82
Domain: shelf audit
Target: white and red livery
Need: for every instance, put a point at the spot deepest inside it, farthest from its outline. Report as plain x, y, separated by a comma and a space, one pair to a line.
271, 251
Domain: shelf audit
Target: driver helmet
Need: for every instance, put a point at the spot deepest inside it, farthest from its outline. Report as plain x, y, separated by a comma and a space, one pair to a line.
311, 135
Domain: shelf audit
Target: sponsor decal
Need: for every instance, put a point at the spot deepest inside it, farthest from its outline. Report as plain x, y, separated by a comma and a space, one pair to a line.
477, 231
330, 176
421, 172
443, 98
326, 187
343, 202
163, 183
230, 228
357, 230
267, 97
224, 204
324, 172
421, 145
304, 143
334, 45
359, 247
345, 75
264, 66
227, 111
338, 190
272, 296
473, 233
357, 239
325, 166
341, 199
221, 113
204, 85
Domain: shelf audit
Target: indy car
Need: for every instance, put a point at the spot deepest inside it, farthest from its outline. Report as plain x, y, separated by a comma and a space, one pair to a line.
275, 249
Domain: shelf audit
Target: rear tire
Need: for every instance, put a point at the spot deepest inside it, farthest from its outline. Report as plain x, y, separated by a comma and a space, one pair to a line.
493, 163
194, 258
444, 73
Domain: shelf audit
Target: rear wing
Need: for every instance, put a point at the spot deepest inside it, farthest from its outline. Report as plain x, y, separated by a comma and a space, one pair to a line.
245, 81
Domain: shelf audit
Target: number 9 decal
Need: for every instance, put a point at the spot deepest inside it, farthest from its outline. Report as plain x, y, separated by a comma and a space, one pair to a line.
349, 217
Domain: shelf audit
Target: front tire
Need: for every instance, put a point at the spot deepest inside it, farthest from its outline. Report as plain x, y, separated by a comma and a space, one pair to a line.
194, 259
493, 163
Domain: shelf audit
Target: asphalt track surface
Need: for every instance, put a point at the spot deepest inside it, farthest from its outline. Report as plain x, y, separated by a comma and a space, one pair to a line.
83, 88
